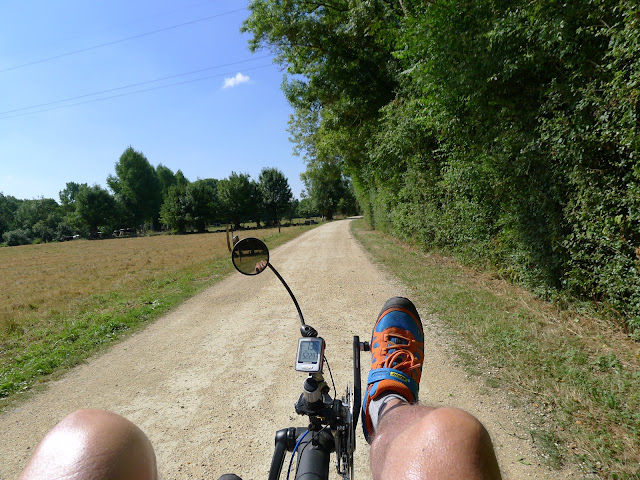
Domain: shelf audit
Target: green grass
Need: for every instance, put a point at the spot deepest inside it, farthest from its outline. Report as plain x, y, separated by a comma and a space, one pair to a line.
580, 377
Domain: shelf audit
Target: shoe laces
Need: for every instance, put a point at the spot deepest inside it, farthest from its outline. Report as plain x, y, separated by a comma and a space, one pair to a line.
398, 353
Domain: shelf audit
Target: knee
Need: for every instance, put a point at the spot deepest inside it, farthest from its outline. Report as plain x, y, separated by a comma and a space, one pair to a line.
434, 443
457, 442
452, 424
90, 424
93, 444
449, 430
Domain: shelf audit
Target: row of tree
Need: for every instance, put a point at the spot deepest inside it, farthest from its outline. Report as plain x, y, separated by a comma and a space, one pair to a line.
505, 131
141, 196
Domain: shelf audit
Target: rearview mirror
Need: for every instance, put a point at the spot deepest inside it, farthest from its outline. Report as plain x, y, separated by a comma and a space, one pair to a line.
250, 256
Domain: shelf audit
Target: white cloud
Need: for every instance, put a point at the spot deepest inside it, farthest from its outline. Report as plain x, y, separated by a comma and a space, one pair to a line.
237, 80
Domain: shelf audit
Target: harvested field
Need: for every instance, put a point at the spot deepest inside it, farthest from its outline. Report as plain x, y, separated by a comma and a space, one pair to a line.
61, 301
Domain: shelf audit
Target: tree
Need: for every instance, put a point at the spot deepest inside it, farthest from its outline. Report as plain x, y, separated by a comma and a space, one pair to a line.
201, 204
325, 187
292, 211
506, 132
137, 187
95, 207
255, 207
40, 216
275, 194
340, 56
8, 207
306, 207
173, 212
166, 177
68, 196
212, 182
237, 197
348, 204
181, 180
194, 205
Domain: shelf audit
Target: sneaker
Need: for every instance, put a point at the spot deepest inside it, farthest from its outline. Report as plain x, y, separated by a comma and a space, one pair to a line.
397, 353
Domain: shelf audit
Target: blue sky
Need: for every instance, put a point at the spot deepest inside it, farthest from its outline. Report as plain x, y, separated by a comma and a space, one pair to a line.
235, 120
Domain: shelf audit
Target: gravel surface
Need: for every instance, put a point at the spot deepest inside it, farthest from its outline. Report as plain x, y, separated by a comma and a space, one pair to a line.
212, 381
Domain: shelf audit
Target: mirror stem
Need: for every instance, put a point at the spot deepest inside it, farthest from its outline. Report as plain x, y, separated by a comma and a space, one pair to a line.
290, 293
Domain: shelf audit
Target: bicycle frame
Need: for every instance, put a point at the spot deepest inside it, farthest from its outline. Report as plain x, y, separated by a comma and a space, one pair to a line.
314, 445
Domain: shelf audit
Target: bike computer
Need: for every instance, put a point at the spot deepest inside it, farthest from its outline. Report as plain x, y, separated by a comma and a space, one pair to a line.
310, 356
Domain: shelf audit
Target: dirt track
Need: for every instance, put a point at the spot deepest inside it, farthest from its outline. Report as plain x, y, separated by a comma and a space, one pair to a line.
212, 381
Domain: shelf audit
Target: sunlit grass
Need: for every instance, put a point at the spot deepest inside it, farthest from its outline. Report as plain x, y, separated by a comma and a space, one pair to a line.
580, 377
61, 302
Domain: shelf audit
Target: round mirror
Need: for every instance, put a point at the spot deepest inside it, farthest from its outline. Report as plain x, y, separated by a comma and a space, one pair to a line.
250, 256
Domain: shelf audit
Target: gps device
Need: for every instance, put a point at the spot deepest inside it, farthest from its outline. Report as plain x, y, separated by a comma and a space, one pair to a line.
310, 354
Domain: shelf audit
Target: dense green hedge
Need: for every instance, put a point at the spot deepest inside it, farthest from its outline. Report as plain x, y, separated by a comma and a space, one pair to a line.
504, 131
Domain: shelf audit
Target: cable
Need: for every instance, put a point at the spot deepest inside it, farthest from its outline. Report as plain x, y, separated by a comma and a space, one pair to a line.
131, 85
132, 93
313, 435
83, 35
121, 40
293, 454
331, 375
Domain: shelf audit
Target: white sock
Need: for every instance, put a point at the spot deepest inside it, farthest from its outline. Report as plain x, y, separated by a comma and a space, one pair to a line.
376, 407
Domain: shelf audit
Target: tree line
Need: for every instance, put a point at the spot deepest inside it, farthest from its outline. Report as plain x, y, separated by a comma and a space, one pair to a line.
503, 131
141, 196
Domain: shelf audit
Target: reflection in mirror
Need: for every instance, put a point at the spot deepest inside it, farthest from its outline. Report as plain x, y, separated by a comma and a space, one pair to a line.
250, 256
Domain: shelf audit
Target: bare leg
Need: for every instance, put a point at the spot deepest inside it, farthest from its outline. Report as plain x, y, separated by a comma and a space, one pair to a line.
414, 442
96, 445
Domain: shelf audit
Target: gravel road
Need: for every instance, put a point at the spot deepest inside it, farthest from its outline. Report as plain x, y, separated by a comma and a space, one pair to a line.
212, 381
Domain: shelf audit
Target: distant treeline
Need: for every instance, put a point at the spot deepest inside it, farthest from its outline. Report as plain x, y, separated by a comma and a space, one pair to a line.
143, 197
505, 132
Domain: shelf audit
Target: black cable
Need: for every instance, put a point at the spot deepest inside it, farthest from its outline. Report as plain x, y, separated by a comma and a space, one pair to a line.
129, 86
335, 392
313, 435
83, 35
131, 93
121, 40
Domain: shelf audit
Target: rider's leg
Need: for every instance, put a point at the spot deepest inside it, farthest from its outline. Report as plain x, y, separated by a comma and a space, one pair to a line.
417, 442
409, 440
93, 444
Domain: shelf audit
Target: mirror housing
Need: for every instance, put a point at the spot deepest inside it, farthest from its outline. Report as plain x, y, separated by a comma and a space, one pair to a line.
250, 256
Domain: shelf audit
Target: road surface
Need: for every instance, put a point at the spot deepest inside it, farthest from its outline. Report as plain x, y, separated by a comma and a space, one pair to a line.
211, 381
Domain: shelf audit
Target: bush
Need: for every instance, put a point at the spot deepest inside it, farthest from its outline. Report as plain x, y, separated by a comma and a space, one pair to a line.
17, 237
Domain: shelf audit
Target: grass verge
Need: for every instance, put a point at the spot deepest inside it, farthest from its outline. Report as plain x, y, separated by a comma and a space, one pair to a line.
579, 377
62, 302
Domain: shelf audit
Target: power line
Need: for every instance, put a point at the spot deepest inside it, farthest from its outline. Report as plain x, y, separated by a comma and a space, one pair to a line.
111, 27
130, 85
121, 40
133, 93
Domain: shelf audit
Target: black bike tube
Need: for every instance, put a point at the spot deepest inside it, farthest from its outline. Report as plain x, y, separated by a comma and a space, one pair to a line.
357, 388
278, 454
314, 454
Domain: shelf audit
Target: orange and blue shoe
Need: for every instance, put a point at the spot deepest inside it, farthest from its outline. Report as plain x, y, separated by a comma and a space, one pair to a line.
397, 353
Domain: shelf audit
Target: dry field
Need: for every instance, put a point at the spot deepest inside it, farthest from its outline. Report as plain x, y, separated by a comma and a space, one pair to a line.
43, 281
61, 301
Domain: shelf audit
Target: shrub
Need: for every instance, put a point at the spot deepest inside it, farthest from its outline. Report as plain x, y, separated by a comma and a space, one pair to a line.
19, 236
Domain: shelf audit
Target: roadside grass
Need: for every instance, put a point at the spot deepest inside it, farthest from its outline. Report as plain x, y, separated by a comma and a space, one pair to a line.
62, 302
576, 374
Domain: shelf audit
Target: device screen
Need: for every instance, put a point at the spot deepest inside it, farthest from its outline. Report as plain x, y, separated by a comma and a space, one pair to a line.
309, 352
